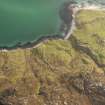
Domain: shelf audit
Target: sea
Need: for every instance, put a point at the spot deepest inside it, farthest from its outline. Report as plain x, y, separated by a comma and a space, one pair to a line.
22, 21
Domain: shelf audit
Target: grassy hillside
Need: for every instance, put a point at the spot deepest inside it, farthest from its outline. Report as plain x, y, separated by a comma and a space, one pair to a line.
90, 32
54, 72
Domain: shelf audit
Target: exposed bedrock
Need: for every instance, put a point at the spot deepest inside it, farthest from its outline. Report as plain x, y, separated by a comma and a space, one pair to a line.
66, 15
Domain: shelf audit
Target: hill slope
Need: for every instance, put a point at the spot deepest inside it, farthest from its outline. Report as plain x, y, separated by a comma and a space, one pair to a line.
58, 72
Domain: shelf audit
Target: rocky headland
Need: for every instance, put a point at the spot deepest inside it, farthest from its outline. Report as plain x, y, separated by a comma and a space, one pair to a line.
58, 71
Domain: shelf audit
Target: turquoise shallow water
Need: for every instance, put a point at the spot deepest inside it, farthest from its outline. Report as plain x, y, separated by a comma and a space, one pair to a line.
27, 20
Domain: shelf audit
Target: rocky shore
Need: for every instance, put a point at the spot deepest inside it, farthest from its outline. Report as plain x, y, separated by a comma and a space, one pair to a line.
66, 15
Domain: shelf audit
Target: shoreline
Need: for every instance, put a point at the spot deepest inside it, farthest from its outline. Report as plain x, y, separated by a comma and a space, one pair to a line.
39, 41
36, 43
30, 44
